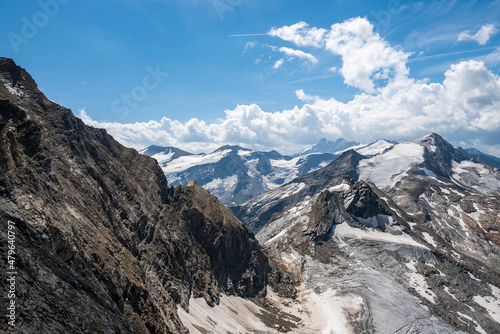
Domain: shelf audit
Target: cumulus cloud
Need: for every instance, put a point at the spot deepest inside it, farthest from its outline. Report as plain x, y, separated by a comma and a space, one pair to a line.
482, 36
464, 105
365, 55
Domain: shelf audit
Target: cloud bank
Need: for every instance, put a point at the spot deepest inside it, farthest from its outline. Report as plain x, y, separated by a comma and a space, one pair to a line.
464, 107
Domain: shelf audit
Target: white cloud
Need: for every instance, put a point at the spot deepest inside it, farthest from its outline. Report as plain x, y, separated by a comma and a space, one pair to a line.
300, 34
482, 36
292, 53
305, 97
365, 55
250, 45
278, 63
460, 108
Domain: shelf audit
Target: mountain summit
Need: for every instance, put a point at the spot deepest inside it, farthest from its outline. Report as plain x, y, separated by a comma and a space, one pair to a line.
328, 146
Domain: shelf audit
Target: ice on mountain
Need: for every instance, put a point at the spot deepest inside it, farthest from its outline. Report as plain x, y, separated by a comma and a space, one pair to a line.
388, 168
475, 175
375, 148
185, 162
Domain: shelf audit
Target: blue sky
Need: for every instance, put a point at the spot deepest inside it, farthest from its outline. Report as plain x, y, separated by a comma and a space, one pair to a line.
202, 73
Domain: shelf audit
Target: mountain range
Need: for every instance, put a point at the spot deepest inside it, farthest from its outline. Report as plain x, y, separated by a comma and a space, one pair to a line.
235, 174
385, 238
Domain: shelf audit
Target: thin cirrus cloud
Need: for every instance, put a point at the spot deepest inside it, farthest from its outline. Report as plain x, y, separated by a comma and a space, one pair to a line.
463, 107
292, 53
481, 37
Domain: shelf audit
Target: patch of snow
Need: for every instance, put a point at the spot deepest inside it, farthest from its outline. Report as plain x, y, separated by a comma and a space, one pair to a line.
340, 187
164, 158
376, 221
454, 211
232, 315
355, 148
447, 290
417, 281
458, 192
13, 90
331, 310
323, 164
491, 304
293, 189
388, 168
282, 163
326, 313
244, 153
474, 277
252, 167
225, 183
480, 329
345, 231
429, 239
285, 169
446, 191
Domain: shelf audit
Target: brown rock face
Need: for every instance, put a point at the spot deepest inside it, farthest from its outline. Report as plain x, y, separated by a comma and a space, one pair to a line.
103, 245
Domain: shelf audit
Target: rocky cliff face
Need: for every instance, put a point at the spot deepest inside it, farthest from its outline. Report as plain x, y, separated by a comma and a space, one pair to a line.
103, 244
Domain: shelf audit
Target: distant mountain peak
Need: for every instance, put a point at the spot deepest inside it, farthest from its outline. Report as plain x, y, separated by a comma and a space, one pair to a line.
156, 149
328, 146
233, 148
480, 156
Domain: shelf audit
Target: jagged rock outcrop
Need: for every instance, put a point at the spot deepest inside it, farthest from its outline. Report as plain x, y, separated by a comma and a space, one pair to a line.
326, 212
103, 244
258, 211
439, 155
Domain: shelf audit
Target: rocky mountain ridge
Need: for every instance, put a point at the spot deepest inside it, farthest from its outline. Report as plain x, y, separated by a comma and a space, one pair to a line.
103, 243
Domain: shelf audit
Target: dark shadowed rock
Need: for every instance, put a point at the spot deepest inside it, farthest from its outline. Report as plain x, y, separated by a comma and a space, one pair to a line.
103, 244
